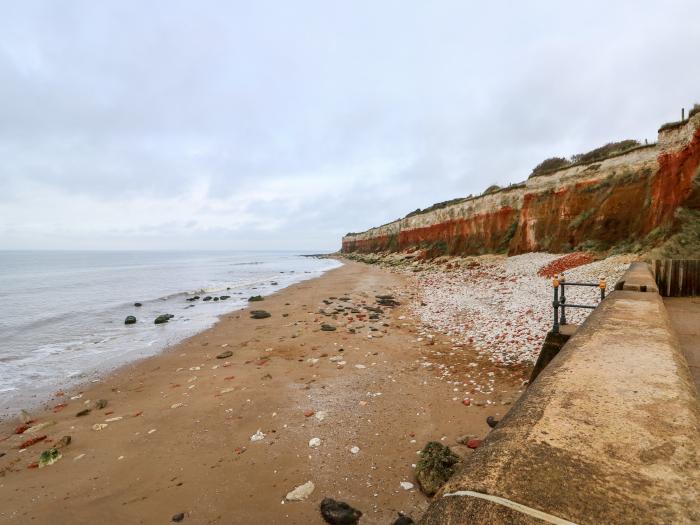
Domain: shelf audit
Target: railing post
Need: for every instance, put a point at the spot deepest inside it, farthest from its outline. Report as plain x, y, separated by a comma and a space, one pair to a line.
555, 304
603, 286
562, 300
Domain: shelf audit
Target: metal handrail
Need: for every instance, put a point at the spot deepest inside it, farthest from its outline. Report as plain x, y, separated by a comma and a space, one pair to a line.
559, 304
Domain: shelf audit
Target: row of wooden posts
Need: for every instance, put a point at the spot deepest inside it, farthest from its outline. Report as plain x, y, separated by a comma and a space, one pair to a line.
677, 277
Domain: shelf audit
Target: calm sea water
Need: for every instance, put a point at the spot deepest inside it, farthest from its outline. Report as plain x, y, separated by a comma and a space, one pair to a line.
62, 313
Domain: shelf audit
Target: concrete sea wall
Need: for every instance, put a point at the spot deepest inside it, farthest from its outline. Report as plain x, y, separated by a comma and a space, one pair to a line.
607, 433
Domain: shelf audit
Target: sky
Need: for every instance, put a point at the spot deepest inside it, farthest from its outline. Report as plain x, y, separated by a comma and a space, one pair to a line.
285, 124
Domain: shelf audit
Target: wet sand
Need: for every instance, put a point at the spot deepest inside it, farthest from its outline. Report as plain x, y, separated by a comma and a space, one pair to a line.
183, 443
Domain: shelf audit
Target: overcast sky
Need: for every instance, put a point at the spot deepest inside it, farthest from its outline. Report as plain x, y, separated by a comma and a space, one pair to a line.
283, 125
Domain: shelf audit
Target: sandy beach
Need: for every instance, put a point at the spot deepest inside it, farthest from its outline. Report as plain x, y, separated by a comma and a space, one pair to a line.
175, 434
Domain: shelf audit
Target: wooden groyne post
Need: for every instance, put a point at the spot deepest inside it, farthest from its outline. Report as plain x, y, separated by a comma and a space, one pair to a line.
677, 277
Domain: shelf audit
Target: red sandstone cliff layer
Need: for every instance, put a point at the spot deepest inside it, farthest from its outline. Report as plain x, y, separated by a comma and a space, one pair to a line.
632, 197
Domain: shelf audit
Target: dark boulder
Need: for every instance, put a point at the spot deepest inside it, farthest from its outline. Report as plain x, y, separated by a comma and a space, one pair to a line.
435, 467
339, 512
137, 304
260, 314
130, 319
328, 327
163, 319
207, 298
224, 297
255, 298
224, 355
403, 520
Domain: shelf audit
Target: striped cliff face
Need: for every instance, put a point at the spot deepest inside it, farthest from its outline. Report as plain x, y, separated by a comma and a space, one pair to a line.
596, 205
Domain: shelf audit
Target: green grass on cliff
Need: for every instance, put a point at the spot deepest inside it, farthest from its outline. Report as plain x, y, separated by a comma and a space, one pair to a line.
684, 243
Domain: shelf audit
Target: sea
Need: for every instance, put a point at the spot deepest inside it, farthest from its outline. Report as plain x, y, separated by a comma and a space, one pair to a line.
62, 313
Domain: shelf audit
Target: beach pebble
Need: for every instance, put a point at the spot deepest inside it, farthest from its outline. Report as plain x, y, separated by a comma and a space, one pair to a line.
406, 485
339, 512
40, 426
315, 442
321, 415
224, 355
474, 443
178, 517
301, 492
99, 426
354, 450
258, 436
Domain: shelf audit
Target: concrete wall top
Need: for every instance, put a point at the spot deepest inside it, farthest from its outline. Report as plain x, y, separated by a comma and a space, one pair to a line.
638, 278
608, 433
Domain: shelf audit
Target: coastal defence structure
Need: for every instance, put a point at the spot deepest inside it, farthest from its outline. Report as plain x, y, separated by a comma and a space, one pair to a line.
634, 198
609, 432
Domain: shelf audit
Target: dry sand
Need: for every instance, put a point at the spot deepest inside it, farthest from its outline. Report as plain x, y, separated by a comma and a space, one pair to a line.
184, 445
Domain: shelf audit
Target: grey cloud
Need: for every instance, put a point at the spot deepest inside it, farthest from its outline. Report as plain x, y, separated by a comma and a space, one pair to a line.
285, 124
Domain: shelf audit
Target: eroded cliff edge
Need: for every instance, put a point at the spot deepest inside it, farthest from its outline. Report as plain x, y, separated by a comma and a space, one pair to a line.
636, 198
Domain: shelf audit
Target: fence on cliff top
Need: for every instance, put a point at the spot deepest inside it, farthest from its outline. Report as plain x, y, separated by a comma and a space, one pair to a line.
677, 277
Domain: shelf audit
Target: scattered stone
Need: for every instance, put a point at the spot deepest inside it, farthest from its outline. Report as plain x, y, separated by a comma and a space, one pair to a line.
406, 485
49, 457
207, 298
403, 520
435, 467
32, 441
354, 450
260, 314
474, 443
63, 442
315, 442
130, 319
463, 440
325, 327
178, 517
308, 413
40, 426
100, 404
339, 512
301, 492
224, 297
321, 415
224, 355
162, 319
258, 436
83, 412
255, 298
137, 305
99, 426
491, 421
